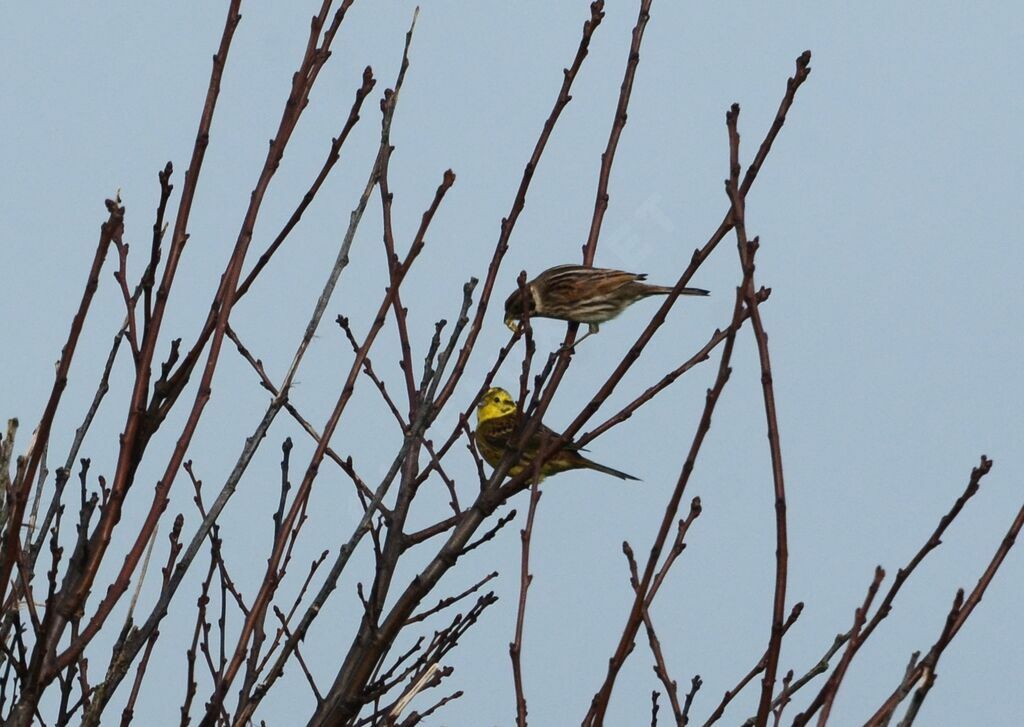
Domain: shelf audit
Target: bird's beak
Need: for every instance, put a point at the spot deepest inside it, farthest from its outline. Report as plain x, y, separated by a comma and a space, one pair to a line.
513, 324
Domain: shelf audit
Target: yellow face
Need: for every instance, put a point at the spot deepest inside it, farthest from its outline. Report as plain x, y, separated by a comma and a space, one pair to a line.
495, 403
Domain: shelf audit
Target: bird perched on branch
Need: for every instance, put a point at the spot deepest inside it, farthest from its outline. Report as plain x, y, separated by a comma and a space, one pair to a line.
497, 420
582, 294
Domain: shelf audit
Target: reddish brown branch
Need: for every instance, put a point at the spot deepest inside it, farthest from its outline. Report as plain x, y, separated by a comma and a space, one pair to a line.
618, 124
198, 633
159, 228
674, 552
746, 253
386, 198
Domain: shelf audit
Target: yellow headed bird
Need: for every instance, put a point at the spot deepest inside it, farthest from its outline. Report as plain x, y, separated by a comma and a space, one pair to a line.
497, 419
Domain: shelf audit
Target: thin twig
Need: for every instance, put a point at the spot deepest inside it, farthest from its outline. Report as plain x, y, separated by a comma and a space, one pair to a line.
832, 688
452, 600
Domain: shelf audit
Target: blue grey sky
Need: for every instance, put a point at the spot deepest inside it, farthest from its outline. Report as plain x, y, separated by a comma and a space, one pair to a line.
887, 213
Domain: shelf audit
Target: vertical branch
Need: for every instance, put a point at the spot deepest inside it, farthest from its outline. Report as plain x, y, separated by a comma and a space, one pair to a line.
388, 112
618, 124
695, 684
746, 252
401, 323
259, 633
159, 229
525, 579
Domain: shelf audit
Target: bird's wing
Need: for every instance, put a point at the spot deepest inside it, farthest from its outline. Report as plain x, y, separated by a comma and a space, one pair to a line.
497, 434
611, 280
552, 435
575, 282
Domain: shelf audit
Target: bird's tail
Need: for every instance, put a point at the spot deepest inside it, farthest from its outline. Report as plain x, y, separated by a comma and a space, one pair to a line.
666, 289
609, 471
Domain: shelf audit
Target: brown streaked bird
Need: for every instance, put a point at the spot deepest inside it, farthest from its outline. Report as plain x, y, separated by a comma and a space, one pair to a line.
497, 418
582, 294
